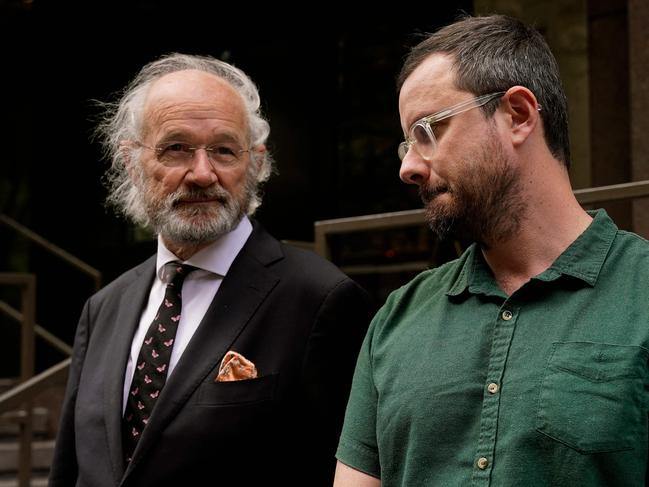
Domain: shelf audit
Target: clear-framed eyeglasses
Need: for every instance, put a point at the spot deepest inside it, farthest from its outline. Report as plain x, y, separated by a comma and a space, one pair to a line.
175, 154
421, 134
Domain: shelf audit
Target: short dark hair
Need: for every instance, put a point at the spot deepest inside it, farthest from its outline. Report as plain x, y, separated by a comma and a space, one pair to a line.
494, 53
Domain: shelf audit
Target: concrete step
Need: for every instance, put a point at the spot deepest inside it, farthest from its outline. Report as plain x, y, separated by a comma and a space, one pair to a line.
46, 407
42, 454
37, 480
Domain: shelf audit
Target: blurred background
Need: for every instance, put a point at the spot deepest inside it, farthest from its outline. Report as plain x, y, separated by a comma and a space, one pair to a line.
326, 74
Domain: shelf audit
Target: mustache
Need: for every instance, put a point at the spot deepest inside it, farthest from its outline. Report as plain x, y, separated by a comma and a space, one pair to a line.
215, 192
429, 193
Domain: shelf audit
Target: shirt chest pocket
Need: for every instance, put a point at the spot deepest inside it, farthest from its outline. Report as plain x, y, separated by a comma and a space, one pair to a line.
592, 396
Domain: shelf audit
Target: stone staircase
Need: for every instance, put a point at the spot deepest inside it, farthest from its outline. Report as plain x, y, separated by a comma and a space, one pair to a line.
45, 420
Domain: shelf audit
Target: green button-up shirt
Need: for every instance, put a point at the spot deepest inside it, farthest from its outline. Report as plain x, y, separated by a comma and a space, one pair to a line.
458, 384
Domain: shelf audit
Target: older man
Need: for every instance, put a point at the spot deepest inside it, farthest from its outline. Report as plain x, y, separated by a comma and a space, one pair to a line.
524, 362
226, 353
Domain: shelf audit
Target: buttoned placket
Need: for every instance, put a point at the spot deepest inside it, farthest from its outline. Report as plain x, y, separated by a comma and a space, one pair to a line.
484, 460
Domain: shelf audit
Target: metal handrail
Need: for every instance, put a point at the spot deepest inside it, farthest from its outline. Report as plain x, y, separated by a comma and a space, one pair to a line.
377, 221
26, 391
613, 192
54, 249
382, 221
50, 338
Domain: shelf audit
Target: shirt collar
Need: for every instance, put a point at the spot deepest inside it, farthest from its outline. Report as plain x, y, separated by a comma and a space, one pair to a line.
474, 274
583, 259
217, 257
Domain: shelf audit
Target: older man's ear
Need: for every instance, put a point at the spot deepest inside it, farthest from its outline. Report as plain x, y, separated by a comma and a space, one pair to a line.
259, 151
126, 151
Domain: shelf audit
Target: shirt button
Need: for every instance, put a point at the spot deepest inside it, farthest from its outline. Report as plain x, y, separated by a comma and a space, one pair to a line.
493, 387
482, 463
507, 315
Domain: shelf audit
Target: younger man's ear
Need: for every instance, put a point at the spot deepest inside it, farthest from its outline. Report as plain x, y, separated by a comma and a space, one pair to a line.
523, 109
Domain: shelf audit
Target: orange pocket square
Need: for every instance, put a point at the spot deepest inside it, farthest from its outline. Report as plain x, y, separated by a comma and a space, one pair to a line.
235, 366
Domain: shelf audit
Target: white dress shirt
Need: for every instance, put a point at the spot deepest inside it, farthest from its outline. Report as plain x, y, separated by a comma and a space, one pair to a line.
198, 291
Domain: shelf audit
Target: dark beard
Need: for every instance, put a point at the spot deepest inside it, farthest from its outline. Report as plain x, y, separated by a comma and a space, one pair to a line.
485, 204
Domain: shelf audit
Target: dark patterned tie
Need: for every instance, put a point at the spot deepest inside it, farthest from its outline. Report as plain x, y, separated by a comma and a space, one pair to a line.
153, 361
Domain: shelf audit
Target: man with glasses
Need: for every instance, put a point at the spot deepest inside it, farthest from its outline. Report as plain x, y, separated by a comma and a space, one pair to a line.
523, 362
227, 352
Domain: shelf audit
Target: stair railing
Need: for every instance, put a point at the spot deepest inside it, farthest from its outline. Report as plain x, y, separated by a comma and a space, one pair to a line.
22, 396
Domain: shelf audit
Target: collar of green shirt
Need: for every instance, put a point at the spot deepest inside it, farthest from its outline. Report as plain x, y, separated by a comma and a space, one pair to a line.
583, 260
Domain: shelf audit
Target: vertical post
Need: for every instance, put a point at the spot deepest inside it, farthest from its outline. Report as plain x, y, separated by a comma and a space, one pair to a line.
25, 452
610, 103
639, 87
321, 248
28, 296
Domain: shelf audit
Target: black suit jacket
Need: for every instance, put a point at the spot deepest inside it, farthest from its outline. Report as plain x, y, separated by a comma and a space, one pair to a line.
293, 314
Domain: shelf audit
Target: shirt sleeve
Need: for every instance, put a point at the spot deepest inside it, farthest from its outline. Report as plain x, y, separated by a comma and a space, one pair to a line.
358, 446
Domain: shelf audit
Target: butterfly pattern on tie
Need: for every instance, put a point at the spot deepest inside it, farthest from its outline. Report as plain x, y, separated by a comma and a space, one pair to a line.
152, 364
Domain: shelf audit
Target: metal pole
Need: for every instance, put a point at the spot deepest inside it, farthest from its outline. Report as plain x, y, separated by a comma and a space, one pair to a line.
27, 372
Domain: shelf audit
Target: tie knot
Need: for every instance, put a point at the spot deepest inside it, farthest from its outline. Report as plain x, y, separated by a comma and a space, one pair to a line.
175, 273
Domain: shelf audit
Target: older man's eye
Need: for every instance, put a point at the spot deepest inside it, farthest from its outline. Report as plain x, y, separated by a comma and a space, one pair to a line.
223, 150
176, 147
174, 153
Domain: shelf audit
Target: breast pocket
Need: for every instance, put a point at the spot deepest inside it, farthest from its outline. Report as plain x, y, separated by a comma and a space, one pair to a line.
239, 392
592, 396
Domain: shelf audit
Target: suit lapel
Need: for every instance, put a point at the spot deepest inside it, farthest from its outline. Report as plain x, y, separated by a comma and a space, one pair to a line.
131, 304
242, 291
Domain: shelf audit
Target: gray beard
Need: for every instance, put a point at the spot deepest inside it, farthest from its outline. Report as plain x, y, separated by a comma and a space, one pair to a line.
200, 223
